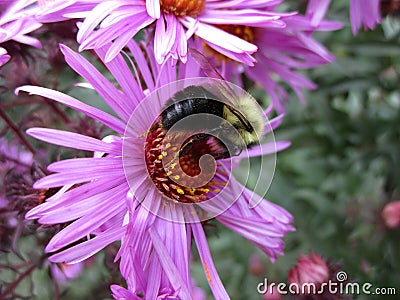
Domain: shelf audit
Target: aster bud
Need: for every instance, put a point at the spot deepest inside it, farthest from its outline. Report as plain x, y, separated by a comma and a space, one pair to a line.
197, 292
391, 214
312, 269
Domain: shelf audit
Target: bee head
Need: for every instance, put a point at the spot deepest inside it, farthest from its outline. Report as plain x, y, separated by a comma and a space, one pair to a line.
246, 117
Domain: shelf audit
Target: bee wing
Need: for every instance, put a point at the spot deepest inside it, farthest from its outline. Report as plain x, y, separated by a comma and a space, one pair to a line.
205, 64
212, 72
226, 90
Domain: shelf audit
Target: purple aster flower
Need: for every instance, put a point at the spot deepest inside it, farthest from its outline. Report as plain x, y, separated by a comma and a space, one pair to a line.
125, 194
16, 21
174, 23
364, 14
12, 155
282, 51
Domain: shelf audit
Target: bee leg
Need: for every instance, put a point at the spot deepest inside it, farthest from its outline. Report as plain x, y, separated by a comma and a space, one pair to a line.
222, 155
226, 154
186, 147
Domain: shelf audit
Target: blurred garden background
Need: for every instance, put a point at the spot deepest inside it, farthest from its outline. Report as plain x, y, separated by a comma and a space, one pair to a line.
341, 170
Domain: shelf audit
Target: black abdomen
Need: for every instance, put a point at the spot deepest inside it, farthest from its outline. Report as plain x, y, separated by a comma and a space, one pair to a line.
193, 100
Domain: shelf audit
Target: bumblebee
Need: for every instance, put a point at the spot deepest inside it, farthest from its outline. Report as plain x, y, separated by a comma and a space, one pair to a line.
240, 122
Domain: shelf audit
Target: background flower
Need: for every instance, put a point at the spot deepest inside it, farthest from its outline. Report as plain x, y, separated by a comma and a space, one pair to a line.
283, 52
64, 272
391, 214
311, 276
16, 21
309, 269
174, 23
364, 14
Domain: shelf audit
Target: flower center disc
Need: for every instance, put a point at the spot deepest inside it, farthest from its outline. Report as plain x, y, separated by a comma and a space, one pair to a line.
179, 8
244, 32
184, 176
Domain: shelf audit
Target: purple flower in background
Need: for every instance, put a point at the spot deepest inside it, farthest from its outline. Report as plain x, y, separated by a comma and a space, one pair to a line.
12, 155
283, 51
120, 193
173, 24
63, 272
16, 21
364, 14
4, 57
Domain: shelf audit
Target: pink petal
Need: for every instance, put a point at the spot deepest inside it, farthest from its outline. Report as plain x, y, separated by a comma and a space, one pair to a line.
211, 273
93, 112
267, 148
113, 97
219, 37
169, 266
71, 140
249, 17
88, 223
153, 8
94, 18
87, 249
